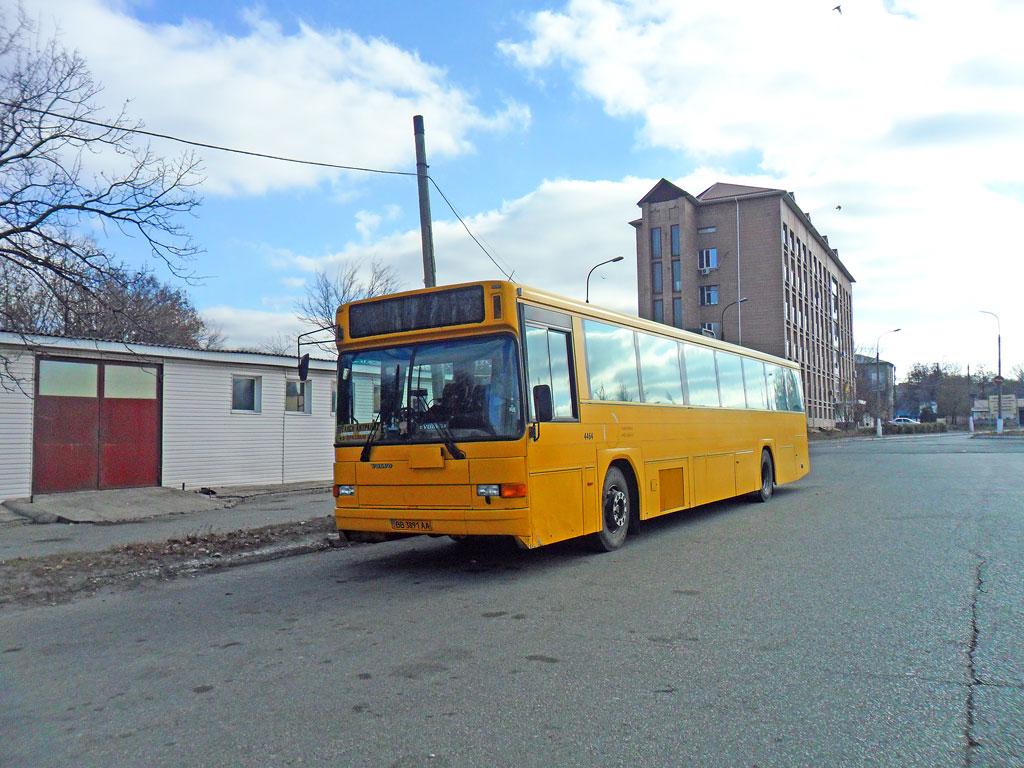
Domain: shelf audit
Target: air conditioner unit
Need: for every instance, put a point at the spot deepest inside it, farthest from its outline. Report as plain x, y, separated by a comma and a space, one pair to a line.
705, 270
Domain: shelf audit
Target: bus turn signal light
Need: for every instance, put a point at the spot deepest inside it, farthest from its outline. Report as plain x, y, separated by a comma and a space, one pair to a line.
504, 490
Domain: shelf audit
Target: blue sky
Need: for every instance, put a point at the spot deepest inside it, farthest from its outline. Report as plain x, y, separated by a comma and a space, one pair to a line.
547, 121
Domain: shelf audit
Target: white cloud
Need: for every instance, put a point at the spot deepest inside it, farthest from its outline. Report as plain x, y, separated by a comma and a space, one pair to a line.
249, 328
550, 238
909, 117
319, 94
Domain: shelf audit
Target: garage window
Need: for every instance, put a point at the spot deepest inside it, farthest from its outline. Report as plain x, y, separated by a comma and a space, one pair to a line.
59, 378
246, 394
129, 382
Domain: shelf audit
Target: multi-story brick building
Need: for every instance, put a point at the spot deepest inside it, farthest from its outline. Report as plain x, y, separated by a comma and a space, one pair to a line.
698, 256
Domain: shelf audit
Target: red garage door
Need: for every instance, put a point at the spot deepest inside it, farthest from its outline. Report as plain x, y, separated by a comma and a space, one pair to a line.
97, 425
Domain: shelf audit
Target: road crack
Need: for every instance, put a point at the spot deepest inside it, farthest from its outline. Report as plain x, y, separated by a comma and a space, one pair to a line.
973, 681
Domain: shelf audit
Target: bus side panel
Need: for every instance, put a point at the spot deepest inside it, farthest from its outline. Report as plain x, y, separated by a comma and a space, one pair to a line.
667, 487
721, 476
748, 471
556, 505
701, 494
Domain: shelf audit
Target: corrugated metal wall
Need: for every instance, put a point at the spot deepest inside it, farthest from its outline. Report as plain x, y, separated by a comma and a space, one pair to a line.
205, 443
16, 413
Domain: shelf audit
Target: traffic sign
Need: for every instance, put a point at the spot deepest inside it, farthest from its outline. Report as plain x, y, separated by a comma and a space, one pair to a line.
998, 380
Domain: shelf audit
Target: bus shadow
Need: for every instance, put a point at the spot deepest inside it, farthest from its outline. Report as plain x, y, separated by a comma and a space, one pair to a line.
437, 559
482, 558
675, 521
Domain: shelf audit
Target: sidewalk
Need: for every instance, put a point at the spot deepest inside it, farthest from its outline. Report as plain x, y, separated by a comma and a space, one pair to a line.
92, 521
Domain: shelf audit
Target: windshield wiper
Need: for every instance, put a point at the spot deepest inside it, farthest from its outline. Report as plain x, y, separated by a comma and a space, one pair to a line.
387, 406
446, 434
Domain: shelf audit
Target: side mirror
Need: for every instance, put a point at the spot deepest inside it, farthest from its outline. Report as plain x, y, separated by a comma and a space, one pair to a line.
542, 410
303, 367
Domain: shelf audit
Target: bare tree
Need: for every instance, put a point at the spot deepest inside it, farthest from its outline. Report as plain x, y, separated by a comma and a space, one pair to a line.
325, 295
52, 136
124, 306
278, 344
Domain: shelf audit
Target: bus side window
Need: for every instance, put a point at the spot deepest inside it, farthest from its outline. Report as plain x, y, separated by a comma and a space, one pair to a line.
548, 352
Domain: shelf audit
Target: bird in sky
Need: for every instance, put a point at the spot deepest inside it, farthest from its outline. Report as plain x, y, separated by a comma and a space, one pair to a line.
839, 8
839, 207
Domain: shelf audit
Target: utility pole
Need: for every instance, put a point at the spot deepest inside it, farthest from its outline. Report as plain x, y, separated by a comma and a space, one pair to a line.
426, 232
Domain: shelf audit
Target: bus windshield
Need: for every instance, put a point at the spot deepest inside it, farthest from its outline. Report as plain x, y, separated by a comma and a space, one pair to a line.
457, 390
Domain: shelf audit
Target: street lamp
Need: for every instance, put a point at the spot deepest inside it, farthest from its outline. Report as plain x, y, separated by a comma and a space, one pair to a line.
999, 370
609, 261
878, 385
730, 304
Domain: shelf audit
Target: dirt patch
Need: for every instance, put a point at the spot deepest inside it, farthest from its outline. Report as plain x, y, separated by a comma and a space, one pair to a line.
60, 578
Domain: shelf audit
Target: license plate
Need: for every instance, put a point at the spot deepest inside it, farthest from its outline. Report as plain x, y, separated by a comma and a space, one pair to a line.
411, 525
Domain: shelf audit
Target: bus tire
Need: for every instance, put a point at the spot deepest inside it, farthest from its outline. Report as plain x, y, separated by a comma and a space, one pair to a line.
616, 510
764, 493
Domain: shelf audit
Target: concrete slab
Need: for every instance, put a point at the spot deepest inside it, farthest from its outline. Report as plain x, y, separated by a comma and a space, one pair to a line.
123, 505
7, 517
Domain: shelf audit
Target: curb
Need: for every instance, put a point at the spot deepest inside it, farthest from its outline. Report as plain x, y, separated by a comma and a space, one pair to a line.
307, 545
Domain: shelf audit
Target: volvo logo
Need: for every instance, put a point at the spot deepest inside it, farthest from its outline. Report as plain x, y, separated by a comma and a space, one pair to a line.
381, 466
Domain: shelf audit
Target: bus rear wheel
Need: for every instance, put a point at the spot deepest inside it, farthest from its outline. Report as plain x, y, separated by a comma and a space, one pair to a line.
764, 493
616, 510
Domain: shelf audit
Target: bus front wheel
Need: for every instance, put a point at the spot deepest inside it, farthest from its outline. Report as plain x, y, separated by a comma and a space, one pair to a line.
764, 493
615, 512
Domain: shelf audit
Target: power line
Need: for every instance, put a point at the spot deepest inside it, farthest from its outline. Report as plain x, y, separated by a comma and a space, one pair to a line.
202, 144
262, 155
463, 223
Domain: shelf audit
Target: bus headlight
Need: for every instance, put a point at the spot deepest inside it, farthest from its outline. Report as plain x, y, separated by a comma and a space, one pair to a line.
488, 490
344, 490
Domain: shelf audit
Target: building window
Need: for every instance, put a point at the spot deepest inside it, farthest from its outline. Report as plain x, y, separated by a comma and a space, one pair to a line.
675, 239
656, 243
656, 286
677, 312
706, 230
708, 295
334, 396
707, 258
711, 328
246, 393
659, 311
677, 275
298, 397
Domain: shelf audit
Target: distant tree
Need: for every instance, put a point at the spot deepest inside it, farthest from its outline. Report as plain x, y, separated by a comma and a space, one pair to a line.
52, 189
927, 415
279, 344
1017, 373
325, 295
121, 305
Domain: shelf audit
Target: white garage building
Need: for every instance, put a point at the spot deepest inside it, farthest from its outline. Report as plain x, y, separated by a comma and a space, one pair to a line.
77, 414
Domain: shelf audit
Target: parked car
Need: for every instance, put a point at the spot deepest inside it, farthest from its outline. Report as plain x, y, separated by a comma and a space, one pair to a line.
904, 420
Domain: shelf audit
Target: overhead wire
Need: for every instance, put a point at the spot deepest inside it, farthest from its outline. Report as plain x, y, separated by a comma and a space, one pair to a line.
262, 155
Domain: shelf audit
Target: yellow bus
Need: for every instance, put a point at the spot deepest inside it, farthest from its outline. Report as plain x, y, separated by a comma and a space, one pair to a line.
492, 408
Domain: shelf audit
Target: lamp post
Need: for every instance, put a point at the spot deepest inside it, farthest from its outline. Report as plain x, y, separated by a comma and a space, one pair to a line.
730, 304
999, 370
878, 385
609, 261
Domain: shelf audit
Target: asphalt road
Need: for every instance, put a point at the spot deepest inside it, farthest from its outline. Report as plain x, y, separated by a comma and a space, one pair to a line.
871, 614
